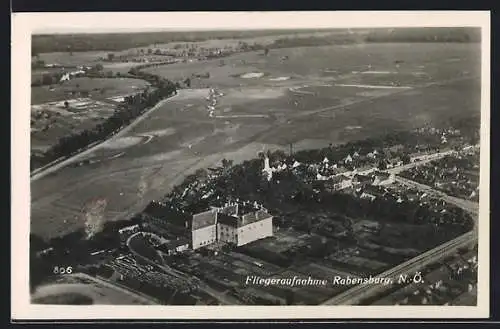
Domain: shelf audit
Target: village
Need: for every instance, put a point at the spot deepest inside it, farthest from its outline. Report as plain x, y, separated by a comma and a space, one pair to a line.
286, 157
203, 230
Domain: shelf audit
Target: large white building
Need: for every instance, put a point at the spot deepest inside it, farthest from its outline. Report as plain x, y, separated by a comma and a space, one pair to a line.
242, 229
234, 223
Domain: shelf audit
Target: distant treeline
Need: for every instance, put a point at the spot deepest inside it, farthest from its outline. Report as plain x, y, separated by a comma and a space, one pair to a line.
337, 39
428, 34
122, 41
131, 108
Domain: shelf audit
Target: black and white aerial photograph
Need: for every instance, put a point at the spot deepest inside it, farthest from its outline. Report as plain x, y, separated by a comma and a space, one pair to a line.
256, 166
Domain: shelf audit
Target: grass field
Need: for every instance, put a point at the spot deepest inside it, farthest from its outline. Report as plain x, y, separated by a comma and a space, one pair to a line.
99, 88
328, 99
51, 120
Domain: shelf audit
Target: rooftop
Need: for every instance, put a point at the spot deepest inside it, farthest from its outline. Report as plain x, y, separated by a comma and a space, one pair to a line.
239, 221
171, 245
204, 219
363, 178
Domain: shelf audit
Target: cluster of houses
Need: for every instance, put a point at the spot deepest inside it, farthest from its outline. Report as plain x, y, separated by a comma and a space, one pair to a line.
447, 177
336, 177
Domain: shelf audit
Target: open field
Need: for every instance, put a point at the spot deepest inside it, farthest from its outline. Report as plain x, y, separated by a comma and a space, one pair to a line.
181, 137
83, 289
51, 119
99, 88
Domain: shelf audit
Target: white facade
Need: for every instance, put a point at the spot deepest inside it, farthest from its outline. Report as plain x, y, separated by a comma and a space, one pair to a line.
255, 231
204, 236
227, 233
225, 225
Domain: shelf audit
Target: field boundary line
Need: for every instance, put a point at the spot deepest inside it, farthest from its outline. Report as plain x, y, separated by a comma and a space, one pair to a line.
62, 162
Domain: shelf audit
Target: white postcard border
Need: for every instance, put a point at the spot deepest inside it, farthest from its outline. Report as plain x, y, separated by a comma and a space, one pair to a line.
25, 24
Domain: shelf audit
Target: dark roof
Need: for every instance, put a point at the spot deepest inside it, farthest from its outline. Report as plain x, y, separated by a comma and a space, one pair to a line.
238, 221
383, 175
230, 210
365, 168
363, 178
227, 220
373, 190
171, 245
204, 219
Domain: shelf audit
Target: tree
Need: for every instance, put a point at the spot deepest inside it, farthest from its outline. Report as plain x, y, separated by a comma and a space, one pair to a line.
111, 56
150, 51
47, 79
405, 158
226, 164
99, 67
382, 165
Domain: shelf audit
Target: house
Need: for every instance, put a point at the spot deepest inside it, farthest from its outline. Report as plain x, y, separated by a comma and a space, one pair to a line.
361, 180
367, 195
365, 170
126, 232
340, 171
394, 162
338, 183
371, 192
173, 247
382, 178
